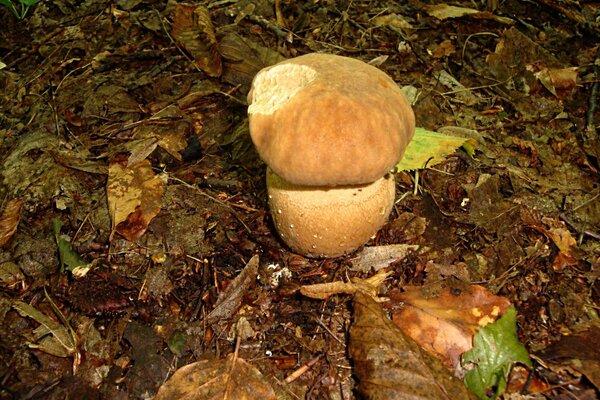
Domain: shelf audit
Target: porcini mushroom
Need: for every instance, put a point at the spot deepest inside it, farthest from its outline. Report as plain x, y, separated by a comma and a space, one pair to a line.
330, 129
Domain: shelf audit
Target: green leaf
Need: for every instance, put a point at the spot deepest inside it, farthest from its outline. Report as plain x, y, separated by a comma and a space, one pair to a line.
177, 343
29, 3
496, 348
428, 148
68, 258
9, 4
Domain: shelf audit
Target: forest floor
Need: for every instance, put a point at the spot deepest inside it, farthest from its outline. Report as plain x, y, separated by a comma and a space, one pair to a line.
135, 235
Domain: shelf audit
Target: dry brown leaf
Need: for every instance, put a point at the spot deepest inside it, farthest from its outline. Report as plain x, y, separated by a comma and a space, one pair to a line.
445, 325
243, 58
391, 20
194, 30
390, 365
165, 129
580, 350
444, 49
9, 220
324, 290
173, 143
558, 81
134, 195
563, 239
377, 257
445, 11
231, 298
232, 378
371, 286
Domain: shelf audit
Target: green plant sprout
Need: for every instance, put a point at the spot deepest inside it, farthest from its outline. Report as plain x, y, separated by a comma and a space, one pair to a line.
21, 11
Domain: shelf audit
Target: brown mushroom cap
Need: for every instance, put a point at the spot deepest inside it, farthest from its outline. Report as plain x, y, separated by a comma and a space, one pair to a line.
328, 222
326, 120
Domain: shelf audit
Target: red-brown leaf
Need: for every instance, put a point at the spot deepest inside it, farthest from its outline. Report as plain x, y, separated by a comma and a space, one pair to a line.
9, 220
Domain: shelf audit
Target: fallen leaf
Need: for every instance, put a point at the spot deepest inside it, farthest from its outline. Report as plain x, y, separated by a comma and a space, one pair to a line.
51, 336
134, 195
391, 20
457, 89
194, 30
230, 378
390, 365
231, 298
444, 49
371, 286
166, 129
173, 143
325, 290
140, 149
445, 11
243, 58
563, 239
69, 259
496, 348
428, 148
580, 351
9, 220
514, 51
445, 325
11, 275
378, 257
558, 80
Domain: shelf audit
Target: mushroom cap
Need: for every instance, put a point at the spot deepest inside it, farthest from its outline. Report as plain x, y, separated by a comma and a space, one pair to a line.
326, 120
329, 222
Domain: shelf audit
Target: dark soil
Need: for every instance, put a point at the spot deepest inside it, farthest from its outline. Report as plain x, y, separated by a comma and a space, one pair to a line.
85, 85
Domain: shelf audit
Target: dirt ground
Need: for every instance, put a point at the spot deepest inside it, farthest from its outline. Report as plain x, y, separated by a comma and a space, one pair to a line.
141, 106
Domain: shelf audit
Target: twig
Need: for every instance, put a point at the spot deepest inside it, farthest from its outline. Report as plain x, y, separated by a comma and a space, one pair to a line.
302, 370
577, 228
592, 100
265, 23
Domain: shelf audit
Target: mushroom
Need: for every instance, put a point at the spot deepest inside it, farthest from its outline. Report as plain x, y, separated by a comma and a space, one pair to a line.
330, 129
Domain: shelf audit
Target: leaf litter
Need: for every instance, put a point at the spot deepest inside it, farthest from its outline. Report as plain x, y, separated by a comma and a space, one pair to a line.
153, 92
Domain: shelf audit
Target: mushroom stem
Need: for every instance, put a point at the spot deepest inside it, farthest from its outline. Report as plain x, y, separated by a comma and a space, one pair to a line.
320, 221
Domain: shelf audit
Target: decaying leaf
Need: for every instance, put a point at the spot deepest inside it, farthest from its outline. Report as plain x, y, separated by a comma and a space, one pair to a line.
445, 325
563, 239
9, 220
557, 80
580, 351
51, 336
514, 51
173, 143
428, 148
140, 149
325, 290
457, 89
377, 257
390, 365
230, 299
165, 129
134, 194
371, 286
392, 20
243, 58
11, 275
193, 29
231, 378
496, 348
445, 11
